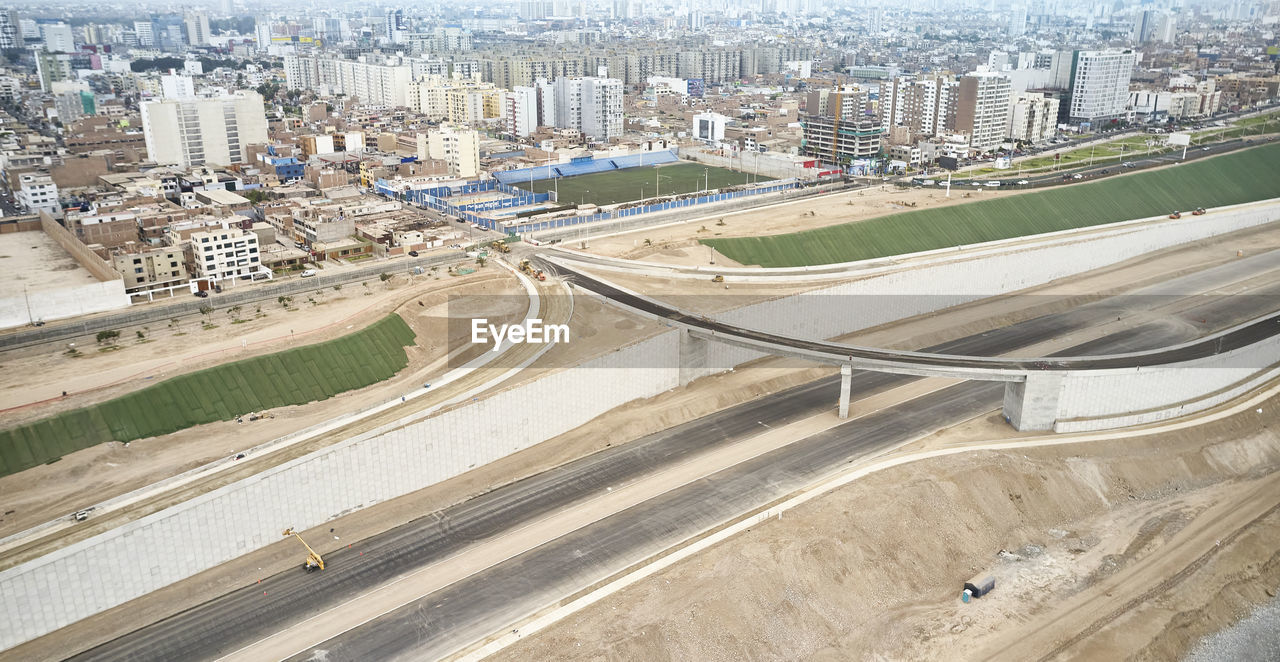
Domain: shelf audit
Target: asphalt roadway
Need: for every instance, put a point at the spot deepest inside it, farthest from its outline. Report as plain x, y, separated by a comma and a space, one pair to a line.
1242, 336
488, 601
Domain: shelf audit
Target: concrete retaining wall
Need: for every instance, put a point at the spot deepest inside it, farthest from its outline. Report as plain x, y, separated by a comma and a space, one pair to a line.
894, 295
1107, 399
62, 303
768, 164
142, 556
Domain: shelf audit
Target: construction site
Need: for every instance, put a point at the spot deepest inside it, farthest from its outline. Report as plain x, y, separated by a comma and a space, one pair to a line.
1050, 446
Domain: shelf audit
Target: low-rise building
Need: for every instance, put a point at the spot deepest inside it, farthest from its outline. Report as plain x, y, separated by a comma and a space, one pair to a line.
225, 252
151, 268
37, 193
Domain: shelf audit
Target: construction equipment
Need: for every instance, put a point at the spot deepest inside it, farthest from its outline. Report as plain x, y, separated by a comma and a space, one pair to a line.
314, 562
527, 267
1176, 214
717, 279
501, 246
1198, 212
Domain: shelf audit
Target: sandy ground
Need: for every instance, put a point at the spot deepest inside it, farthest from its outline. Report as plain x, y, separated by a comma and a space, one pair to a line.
32, 261
34, 379
677, 244
1113, 550
636, 419
89, 476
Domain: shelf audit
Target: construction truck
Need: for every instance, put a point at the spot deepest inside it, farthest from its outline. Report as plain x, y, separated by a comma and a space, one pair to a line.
1198, 212
313, 562
527, 267
717, 279
501, 246
1176, 214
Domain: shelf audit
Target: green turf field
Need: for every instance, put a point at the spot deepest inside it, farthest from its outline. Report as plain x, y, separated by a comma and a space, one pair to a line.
291, 377
1252, 174
614, 186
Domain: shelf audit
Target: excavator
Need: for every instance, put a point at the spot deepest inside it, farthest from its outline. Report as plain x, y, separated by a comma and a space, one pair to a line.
314, 562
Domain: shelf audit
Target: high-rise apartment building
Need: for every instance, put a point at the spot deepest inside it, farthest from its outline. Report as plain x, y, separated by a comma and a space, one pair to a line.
458, 147
457, 98
1099, 85
196, 27
1033, 117
195, 131
145, 33
10, 33
982, 108
926, 106
1154, 26
591, 105
520, 111
371, 80
57, 38
837, 128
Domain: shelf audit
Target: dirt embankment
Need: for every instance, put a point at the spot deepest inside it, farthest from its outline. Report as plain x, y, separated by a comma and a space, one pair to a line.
1131, 549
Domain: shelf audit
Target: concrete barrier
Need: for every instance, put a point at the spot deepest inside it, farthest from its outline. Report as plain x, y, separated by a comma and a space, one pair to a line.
114, 567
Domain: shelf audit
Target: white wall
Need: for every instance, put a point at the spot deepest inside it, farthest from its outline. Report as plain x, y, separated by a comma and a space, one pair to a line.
145, 555
1115, 398
841, 309
140, 557
48, 305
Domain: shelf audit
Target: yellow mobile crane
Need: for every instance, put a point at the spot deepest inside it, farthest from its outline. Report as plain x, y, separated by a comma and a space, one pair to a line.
314, 562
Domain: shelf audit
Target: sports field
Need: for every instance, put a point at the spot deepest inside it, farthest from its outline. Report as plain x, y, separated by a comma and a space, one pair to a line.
614, 186
1245, 176
291, 377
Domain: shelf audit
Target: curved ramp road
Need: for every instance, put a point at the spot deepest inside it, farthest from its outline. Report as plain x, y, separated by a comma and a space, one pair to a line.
934, 363
488, 601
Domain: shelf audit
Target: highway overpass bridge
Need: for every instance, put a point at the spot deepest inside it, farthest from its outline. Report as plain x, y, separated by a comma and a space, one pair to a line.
1040, 393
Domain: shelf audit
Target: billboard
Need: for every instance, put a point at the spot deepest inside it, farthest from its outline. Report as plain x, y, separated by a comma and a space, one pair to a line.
948, 162
1180, 139
697, 87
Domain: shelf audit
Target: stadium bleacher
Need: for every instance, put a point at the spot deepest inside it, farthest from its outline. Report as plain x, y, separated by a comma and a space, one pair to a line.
583, 166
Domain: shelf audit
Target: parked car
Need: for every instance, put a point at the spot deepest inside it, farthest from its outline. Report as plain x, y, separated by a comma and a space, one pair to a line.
308, 273
1077, 176
413, 253
1023, 182
1130, 164
202, 294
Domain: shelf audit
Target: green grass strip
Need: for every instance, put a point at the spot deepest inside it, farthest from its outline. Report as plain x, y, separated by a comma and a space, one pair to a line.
291, 377
1244, 176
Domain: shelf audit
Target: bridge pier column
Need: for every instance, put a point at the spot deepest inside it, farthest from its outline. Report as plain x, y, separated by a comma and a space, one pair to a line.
693, 357
846, 383
1033, 404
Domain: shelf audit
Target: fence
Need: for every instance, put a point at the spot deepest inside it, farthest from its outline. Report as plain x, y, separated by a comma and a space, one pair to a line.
675, 216
586, 166
188, 306
669, 205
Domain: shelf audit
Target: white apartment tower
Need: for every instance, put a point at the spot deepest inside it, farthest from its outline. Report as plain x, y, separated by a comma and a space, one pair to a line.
591, 105
195, 131
520, 111
196, 24
1033, 117
460, 148
1099, 85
